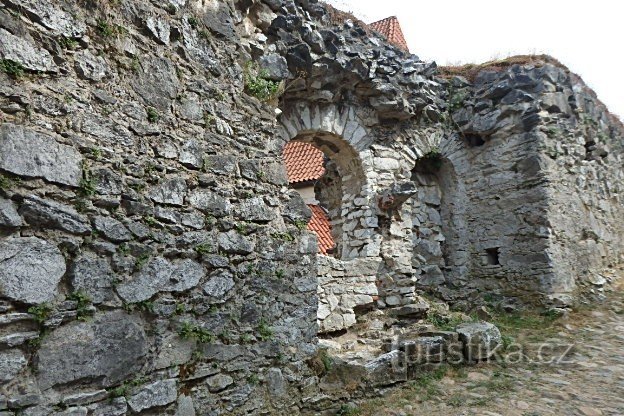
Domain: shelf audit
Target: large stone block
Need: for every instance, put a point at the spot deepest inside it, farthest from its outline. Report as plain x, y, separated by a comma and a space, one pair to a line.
30, 269
160, 274
20, 50
33, 154
94, 277
8, 214
104, 351
480, 339
159, 393
41, 212
11, 363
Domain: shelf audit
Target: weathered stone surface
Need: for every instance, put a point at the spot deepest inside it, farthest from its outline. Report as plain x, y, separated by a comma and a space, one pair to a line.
8, 214
255, 209
89, 66
219, 382
185, 406
274, 66
11, 363
233, 242
159, 28
192, 155
53, 18
106, 350
159, 393
170, 192
112, 229
30, 269
174, 351
115, 407
210, 203
161, 275
157, 83
37, 155
46, 213
25, 53
219, 285
93, 276
480, 339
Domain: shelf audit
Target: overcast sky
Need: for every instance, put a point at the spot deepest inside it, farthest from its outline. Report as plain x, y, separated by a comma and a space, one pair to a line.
586, 36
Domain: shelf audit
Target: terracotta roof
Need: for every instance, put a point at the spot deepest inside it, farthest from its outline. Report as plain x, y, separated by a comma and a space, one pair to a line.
391, 29
303, 161
320, 225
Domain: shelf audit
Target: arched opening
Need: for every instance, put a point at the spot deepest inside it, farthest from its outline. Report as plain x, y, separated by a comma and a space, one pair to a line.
440, 249
328, 175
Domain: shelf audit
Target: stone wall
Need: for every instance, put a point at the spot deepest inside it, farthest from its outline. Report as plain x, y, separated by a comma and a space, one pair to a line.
152, 258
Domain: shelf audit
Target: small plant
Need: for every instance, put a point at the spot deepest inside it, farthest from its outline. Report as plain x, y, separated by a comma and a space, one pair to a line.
327, 361
152, 115
141, 261
144, 305
80, 204
105, 29
124, 389
301, 224
264, 330
40, 312
193, 22
258, 85
245, 339
151, 221
96, 152
11, 68
88, 184
253, 379
190, 331
180, 308
280, 274
348, 410
283, 236
68, 43
123, 249
82, 303
8, 183
241, 227
203, 248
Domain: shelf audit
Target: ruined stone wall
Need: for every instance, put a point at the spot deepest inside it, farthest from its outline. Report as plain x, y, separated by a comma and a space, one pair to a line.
152, 258
536, 162
583, 144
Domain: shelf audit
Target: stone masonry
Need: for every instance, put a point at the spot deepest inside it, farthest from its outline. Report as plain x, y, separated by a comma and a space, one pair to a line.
152, 256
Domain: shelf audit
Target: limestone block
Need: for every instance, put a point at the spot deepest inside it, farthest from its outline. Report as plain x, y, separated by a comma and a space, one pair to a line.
32, 154
107, 349
159, 393
25, 53
30, 269
160, 274
8, 214
480, 339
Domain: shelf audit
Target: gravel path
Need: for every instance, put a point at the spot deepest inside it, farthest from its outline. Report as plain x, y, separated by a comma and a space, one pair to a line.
587, 381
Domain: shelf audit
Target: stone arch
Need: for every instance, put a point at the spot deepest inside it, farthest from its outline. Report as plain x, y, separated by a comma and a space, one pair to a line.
440, 228
342, 137
346, 283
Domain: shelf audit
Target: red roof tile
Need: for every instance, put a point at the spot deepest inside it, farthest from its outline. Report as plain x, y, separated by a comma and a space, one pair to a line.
319, 224
303, 161
391, 29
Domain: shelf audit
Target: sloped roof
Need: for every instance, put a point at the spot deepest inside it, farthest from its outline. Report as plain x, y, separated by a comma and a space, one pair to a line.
320, 225
391, 29
303, 161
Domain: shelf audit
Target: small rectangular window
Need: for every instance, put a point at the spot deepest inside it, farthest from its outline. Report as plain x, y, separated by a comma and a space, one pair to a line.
492, 256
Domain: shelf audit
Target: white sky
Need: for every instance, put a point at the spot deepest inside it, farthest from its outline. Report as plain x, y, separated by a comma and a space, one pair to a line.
586, 36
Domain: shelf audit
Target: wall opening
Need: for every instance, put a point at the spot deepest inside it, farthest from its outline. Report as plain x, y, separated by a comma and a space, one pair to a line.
439, 222
327, 174
492, 256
